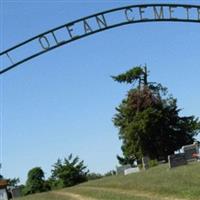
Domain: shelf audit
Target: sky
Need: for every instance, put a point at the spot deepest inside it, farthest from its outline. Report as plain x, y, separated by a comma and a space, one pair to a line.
63, 101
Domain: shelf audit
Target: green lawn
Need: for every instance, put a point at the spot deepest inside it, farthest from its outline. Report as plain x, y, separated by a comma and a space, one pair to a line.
45, 196
154, 184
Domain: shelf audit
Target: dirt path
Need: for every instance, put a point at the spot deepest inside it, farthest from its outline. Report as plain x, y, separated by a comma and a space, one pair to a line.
130, 193
151, 196
73, 196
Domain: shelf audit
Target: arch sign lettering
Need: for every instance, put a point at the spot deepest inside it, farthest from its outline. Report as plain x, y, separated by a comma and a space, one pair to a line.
95, 23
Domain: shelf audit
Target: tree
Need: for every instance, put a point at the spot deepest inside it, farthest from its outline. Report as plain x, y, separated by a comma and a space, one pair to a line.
69, 172
13, 182
35, 182
148, 120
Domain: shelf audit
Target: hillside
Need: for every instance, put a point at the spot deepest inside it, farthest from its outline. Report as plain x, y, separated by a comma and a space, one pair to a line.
154, 184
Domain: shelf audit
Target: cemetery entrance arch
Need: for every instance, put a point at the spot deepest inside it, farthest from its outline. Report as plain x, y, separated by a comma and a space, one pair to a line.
95, 23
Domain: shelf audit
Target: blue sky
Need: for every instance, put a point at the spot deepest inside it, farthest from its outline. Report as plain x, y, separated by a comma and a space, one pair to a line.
63, 102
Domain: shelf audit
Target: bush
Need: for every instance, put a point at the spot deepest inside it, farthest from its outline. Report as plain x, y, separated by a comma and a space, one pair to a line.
153, 163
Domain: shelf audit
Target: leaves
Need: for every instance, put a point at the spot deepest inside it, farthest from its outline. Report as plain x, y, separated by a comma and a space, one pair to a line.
69, 172
35, 182
130, 76
148, 120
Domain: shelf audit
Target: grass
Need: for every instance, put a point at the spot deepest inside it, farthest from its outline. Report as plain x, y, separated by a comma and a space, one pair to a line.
154, 184
45, 196
181, 181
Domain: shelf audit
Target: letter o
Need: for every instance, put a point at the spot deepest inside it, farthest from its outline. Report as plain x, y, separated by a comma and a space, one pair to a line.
127, 16
44, 42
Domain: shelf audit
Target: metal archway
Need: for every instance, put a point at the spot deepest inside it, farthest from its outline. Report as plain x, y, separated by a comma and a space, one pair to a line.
95, 23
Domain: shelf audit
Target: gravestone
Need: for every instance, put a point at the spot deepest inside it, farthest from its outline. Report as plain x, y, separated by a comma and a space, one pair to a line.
145, 162
16, 192
131, 170
177, 160
190, 151
120, 170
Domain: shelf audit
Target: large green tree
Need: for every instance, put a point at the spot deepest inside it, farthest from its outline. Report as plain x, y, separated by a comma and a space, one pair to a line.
68, 172
35, 182
148, 120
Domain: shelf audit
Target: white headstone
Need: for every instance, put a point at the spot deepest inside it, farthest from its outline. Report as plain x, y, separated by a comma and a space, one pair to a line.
131, 170
121, 169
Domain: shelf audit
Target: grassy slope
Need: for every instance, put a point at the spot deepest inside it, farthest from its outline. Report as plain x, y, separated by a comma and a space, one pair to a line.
155, 184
